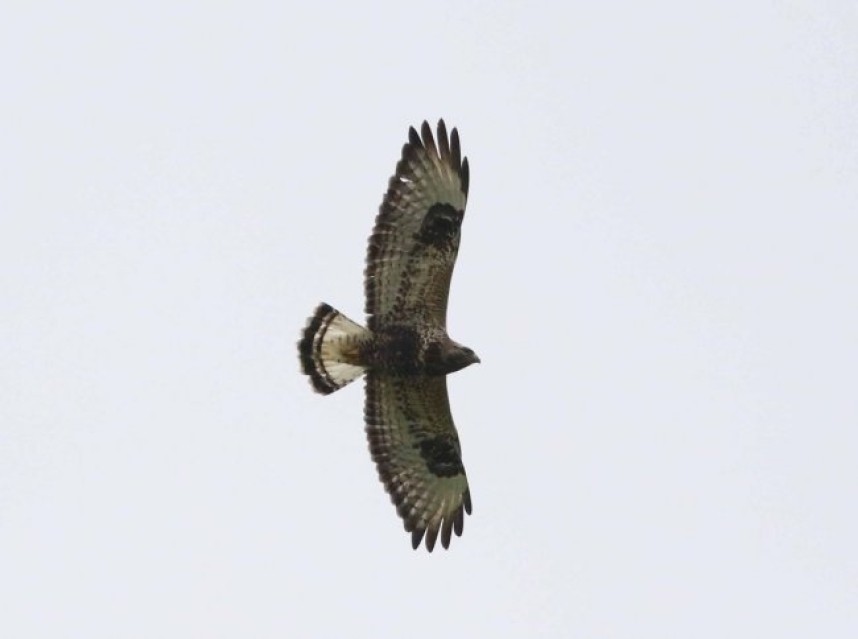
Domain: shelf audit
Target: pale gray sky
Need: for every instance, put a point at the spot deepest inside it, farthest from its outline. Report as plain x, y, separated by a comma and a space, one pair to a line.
658, 270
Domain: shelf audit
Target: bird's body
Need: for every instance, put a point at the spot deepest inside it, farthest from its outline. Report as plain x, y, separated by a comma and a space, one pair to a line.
405, 351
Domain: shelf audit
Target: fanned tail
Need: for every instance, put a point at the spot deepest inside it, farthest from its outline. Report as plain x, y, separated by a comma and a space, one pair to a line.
330, 349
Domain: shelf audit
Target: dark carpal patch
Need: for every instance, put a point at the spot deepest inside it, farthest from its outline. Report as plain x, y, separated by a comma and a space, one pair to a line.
441, 457
440, 225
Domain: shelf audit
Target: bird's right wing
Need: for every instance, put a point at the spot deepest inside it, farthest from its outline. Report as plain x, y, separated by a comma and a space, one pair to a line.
413, 246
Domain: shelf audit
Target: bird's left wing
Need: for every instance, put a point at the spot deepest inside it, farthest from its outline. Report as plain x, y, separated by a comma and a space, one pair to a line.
416, 449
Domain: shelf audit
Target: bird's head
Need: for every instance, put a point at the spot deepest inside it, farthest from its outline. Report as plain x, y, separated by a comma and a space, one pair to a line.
446, 356
458, 357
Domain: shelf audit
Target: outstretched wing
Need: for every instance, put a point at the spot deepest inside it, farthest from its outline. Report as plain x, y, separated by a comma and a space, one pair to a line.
414, 244
416, 449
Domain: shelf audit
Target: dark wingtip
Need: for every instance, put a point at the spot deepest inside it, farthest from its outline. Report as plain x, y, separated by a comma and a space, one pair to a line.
431, 536
450, 150
443, 141
413, 137
428, 140
417, 537
448, 529
459, 522
456, 149
442, 128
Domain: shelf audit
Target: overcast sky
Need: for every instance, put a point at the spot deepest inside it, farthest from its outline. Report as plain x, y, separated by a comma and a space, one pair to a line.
658, 269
